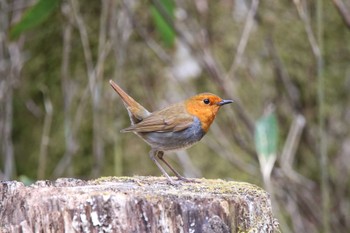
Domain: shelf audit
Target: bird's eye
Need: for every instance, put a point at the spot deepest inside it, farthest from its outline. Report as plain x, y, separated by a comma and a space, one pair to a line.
206, 101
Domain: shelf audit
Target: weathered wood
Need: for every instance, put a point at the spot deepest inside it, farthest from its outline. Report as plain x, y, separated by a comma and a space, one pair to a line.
137, 204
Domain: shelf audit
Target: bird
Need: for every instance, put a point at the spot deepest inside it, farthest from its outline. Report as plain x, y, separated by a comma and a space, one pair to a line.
176, 127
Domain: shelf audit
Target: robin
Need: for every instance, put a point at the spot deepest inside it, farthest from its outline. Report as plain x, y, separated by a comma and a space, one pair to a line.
176, 127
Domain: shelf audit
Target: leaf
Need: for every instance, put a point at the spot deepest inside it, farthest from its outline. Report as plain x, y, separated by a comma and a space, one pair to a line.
166, 32
266, 139
26, 180
266, 135
33, 16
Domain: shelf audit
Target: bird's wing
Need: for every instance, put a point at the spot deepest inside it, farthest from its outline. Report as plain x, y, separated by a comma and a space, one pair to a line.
171, 119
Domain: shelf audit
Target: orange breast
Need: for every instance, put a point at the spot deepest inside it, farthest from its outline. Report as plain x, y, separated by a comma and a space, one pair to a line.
206, 114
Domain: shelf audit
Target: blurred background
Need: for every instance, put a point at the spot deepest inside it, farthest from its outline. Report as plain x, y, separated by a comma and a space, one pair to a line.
285, 63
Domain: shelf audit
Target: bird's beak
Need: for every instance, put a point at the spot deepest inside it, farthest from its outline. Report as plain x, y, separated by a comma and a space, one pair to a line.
223, 102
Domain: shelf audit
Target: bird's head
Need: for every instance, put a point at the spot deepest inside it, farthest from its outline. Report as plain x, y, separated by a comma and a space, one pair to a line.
205, 106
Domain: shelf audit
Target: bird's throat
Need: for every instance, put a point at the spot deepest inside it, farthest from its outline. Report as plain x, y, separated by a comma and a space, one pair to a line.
205, 115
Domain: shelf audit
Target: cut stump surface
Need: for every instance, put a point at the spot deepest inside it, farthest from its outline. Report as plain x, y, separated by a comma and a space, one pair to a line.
135, 204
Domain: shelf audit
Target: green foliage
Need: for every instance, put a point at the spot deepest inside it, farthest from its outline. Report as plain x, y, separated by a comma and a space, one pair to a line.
266, 139
266, 135
34, 16
165, 30
26, 180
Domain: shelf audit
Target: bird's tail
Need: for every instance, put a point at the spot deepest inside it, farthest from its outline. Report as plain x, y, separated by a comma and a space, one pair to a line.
136, 111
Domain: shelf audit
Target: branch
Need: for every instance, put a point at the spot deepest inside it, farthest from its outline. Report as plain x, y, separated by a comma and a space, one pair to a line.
312, 39
343, 11
45, 137
244, 37
293, 93
152, 44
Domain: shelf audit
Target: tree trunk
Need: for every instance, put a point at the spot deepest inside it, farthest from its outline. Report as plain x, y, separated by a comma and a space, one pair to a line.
135, 204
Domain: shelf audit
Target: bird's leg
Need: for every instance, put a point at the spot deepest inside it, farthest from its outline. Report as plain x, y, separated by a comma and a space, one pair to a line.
152, 154
160, 155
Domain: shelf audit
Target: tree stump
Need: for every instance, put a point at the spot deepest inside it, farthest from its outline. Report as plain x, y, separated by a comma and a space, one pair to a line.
135, 204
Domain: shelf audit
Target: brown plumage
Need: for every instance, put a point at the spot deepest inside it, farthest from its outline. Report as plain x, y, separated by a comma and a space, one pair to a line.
176, 127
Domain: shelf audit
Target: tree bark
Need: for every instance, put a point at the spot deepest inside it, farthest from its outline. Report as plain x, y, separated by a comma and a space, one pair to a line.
135, 204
